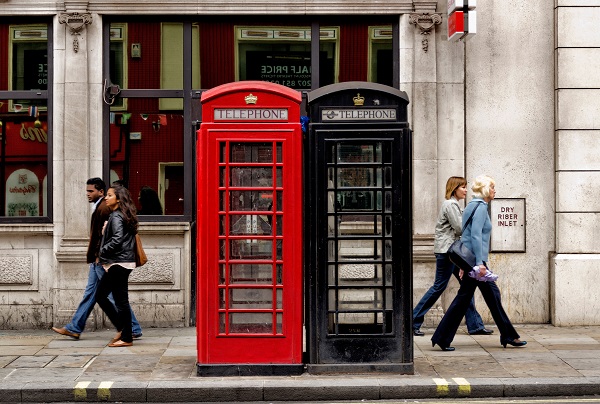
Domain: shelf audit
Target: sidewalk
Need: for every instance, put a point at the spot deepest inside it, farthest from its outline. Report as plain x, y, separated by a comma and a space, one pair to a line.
41, 366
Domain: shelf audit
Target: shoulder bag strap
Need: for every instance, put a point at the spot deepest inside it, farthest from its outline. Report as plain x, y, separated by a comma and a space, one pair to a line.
471, 217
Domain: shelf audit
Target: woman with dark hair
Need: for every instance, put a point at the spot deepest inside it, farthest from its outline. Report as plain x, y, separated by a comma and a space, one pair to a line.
149, 202
118, 259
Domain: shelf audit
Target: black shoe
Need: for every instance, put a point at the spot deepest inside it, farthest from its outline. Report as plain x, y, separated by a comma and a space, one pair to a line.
513, 342
418, 333
444, 348
483, 331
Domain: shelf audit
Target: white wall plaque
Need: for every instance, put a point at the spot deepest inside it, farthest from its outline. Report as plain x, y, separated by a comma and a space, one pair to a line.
508, 225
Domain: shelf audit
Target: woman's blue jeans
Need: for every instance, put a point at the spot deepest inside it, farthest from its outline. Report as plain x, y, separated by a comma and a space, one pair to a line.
443, 271
77, 324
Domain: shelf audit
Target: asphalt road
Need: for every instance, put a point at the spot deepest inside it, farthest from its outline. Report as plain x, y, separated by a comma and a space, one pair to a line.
506, 400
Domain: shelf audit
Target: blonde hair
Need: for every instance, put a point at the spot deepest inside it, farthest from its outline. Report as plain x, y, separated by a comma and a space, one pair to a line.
481, 186
452, 184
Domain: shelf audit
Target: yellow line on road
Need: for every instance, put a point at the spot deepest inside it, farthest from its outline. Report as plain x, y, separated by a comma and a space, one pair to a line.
80, 392
104, 390
442, 386
464, 387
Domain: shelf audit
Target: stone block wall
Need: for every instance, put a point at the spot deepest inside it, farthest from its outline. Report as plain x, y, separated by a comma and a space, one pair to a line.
576, 265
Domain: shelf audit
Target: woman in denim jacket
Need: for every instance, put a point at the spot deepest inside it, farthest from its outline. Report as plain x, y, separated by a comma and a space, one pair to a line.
476, 237
447, 229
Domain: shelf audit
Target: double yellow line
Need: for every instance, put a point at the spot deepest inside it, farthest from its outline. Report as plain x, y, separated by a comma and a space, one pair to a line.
443, 386
103, 393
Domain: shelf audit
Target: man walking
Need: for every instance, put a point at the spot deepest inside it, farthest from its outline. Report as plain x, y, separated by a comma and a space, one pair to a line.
95, 194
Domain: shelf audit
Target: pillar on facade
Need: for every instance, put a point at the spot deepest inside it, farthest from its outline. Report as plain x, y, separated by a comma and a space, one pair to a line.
72, 154
575, 268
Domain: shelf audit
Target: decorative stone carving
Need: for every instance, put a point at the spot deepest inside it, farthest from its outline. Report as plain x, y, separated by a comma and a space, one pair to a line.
16, 270
160, 268
425, 22
76, 23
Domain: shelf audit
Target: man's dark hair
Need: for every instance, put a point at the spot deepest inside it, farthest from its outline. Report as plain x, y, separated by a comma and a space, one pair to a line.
97, 183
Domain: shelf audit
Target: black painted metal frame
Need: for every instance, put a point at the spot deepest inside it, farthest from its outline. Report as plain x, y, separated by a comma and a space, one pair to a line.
366, 350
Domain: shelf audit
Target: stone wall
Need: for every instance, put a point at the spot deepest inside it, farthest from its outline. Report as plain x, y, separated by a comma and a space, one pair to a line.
510, 137
576, 266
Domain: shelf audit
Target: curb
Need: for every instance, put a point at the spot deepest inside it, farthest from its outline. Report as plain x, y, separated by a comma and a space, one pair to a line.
302, 390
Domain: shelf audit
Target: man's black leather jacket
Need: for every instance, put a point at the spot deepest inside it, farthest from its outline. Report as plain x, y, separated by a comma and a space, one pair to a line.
118, 241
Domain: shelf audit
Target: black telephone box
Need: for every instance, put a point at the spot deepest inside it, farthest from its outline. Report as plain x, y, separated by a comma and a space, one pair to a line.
358, 226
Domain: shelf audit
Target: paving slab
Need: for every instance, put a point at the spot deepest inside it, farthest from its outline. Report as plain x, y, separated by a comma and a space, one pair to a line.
576, 353
70, 361
20, 350
14, 340
29, 361
116, 376
447, 367
124, 363
54, 375
6, 360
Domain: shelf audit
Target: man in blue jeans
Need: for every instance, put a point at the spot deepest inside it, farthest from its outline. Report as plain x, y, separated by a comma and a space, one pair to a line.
95, 193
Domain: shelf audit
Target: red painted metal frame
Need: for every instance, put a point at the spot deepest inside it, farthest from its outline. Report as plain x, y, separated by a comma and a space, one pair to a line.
283, 347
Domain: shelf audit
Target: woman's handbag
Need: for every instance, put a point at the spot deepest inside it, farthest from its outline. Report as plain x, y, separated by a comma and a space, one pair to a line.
140, 255
459, 254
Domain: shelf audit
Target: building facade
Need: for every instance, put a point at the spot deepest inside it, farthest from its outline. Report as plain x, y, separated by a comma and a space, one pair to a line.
112, 89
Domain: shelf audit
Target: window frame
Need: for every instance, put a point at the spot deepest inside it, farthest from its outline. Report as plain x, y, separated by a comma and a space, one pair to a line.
377, 36
38, 95
123, 40
188, 134
304, 36
192, 112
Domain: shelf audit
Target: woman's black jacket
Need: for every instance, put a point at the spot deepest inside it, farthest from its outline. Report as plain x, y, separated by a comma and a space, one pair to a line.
118, 241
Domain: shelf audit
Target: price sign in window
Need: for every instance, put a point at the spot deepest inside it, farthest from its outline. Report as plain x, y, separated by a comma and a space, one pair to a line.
281, 55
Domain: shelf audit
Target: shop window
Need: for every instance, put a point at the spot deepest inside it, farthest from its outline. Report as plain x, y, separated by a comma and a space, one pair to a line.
282, 55
380, 55
147, 154
24, 124
172, 62
148, 141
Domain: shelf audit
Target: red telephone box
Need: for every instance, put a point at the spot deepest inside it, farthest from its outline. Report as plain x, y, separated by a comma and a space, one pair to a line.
249, 300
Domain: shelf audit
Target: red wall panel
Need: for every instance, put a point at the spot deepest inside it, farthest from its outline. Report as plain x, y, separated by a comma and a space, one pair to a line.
217, 54
354, 48
145, 71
